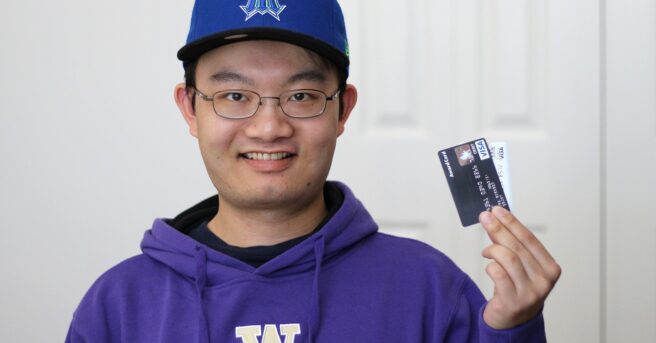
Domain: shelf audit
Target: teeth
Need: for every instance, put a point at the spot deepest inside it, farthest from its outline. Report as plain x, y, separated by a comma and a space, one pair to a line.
266, 156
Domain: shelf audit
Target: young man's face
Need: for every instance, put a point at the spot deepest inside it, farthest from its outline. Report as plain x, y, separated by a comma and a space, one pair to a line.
268, 160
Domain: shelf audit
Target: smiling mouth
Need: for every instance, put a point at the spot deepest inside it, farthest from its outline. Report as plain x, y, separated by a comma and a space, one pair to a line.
263, 156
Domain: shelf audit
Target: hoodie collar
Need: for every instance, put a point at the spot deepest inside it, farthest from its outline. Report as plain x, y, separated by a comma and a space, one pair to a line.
207, 267
350, 224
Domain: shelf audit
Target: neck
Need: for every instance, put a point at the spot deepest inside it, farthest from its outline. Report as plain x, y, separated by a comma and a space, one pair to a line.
244, 227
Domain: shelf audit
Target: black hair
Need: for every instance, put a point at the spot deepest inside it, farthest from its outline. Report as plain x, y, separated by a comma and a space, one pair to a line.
190, 77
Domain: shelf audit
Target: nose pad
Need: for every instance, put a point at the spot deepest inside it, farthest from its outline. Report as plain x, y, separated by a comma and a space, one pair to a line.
269, 122
276, 103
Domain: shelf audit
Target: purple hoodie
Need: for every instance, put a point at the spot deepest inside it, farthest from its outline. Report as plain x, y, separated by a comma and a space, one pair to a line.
347, 283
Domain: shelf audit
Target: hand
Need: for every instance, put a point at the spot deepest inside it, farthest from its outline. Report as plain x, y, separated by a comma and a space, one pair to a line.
522, 270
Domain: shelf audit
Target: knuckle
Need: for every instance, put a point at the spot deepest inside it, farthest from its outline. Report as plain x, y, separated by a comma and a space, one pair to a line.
543, 286
513, 258
510, 219
499, 274
494, 227
496, 251
495, 271
487, 251
554, 271
516, 246
528, 237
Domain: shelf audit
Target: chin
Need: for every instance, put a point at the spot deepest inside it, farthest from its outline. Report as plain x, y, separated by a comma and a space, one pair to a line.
271, 196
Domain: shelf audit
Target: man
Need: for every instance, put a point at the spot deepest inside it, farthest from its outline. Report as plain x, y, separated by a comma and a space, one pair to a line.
281, 255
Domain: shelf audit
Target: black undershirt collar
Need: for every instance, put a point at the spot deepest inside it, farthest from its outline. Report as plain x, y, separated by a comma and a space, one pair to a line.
258, 255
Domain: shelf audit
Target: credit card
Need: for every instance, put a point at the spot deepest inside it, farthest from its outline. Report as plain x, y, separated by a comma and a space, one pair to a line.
473, 179
499, 154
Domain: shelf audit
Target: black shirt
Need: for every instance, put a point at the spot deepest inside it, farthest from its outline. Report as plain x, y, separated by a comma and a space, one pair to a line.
193, 222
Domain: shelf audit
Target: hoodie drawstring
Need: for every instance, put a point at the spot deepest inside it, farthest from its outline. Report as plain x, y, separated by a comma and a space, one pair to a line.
315, 313
200, 257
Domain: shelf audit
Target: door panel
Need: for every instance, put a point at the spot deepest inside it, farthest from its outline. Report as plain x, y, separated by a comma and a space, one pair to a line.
631, 138
432, 74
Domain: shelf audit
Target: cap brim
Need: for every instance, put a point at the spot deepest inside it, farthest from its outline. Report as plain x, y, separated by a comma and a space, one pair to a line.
193, 50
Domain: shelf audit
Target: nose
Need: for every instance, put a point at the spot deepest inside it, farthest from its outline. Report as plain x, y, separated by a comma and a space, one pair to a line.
269, 123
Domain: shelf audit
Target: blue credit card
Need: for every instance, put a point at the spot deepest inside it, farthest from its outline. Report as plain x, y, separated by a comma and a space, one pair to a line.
472, 179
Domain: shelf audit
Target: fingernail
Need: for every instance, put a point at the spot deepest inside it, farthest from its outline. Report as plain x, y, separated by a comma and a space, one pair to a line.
499, 211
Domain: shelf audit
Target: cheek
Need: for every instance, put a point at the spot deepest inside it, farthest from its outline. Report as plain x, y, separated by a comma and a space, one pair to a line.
215, 138
323, 143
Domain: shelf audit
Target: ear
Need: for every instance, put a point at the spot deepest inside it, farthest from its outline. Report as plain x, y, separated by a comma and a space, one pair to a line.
183, 98
349, 98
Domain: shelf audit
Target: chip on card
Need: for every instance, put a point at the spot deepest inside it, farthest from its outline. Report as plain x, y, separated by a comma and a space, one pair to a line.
473, 180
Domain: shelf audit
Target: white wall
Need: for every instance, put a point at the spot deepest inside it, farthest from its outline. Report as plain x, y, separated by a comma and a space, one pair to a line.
92, 148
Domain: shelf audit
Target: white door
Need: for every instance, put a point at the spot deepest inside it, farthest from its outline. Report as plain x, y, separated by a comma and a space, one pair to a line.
433, 74
629, 200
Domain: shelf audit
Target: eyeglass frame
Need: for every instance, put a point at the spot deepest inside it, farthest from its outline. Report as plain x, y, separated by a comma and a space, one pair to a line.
211, 99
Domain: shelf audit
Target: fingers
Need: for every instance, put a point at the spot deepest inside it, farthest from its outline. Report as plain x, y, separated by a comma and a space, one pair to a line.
511, 265
526, 261
505, 286
523, 271
517, 251
529, 242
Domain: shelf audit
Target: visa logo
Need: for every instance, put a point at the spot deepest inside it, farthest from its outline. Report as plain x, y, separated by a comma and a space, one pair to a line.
483, 153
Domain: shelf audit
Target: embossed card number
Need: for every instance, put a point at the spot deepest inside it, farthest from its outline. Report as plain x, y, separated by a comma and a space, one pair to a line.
473, 180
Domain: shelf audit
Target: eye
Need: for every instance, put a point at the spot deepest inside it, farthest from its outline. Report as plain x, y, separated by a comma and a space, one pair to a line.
236, 96
233, 96
302, 96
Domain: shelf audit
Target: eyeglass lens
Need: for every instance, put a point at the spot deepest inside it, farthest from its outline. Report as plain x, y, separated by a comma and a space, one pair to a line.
242, 103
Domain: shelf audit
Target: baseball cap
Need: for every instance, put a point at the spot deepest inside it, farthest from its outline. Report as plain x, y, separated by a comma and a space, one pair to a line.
317, 25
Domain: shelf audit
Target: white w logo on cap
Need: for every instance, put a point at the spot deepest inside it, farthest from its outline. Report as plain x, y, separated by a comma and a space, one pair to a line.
271, 7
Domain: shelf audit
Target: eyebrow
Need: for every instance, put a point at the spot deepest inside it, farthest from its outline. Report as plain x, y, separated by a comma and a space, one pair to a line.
229, 76
307, 75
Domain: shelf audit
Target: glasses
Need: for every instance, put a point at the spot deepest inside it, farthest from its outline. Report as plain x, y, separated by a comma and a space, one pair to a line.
240, 103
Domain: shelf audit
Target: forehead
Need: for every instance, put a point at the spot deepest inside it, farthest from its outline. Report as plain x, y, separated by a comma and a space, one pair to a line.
262, 59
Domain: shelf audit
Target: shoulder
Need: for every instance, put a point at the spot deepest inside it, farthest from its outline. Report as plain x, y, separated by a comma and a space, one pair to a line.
411, 270
130, 290
131, 270
123, 279
135, 283
411, 250
409, 258
423, 264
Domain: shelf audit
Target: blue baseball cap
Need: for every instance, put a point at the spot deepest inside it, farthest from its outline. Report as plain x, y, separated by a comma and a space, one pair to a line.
317, 25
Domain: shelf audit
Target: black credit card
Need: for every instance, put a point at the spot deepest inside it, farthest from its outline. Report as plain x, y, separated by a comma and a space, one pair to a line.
473, 179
